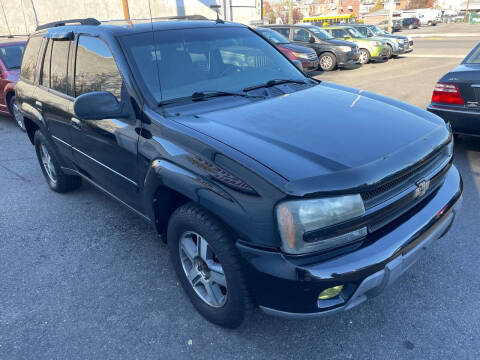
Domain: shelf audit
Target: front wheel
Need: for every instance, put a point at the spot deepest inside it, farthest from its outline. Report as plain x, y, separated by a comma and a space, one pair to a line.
327, 62
389, 51
207, 264
16, 113
364, 56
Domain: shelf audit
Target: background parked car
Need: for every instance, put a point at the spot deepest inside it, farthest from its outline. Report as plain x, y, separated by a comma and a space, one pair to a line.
396, 26
456, 97
407, 40
410, 23
331, 52
11, 53
307, 56
395, 46
368, 49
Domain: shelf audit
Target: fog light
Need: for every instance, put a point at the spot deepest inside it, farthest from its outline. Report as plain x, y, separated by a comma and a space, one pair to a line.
330, 292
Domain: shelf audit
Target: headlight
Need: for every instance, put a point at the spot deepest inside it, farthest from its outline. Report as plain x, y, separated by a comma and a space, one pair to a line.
400, 41
300, 55
345, 48
301, 222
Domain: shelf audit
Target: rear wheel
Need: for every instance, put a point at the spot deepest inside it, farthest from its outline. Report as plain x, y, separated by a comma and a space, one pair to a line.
56, 178
208, 266
16, 113
364, 57
327, 61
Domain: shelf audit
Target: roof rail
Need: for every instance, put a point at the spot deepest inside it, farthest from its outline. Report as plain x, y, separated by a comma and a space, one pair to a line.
87, 21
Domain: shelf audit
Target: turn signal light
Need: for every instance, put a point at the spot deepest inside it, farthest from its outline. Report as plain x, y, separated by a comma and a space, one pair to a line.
330, 292
447, 94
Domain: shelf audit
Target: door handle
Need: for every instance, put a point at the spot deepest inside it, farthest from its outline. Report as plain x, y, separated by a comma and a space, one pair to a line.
76, 123
39, 104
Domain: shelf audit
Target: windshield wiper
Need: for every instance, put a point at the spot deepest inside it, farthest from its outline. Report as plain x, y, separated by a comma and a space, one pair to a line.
274, 82
202, 95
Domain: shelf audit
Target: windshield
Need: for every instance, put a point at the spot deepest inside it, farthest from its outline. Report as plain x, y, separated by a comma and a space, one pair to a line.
354, 33
474, 58
12, 56
320, 33
175, 64
273, 36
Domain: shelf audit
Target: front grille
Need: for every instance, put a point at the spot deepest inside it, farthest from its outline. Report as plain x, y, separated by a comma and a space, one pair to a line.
390, 188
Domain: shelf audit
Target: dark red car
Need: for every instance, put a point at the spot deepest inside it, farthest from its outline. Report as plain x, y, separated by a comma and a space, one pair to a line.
307, 56
11, 53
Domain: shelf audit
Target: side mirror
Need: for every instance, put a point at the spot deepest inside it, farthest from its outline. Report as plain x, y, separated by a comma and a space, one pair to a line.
298, 64
311, 40
98, 105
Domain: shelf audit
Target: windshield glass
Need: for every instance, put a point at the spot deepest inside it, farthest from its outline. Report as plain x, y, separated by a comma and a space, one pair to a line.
12, 56
320, 33
175, 64
474, 58
273, 36
354, 33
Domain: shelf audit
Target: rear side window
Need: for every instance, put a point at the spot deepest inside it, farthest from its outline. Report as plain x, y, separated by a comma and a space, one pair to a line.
363, 30
12, 56
46, 65
59, 66
30, 58
284, 31
338, 33
301, 35
95, 68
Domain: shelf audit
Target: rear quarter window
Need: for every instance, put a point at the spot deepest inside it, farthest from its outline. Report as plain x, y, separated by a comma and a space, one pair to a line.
30, 58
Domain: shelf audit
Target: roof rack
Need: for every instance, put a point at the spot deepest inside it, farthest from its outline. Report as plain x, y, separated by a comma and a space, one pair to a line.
87, 21
184, 17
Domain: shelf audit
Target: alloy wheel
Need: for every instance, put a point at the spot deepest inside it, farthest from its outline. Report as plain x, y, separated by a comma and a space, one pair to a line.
47, 163
363, 57
203, 269
326, 62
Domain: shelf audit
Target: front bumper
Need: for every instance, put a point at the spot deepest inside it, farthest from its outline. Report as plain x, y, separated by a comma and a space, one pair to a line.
347, 58
462, 119
284, 287
309, 66
379, 53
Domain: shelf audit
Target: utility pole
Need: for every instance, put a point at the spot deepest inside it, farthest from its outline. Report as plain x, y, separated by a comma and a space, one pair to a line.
290, 11
391, 6
126, 10
466, 11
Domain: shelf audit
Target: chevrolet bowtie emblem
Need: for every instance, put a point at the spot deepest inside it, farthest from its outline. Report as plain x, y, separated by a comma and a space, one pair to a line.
421, 189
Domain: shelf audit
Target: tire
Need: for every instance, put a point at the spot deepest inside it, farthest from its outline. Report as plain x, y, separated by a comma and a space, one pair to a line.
57, 180
16, 114
389, 51
188, 226
364, 56
327, 61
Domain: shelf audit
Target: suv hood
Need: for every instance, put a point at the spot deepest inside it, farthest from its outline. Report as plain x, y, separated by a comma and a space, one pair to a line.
327, 137
340, 42
297, 48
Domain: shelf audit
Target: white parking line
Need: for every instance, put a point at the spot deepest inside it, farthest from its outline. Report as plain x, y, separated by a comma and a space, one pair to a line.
435, 56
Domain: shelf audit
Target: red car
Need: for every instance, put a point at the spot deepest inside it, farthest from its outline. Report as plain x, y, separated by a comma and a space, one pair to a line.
11, 53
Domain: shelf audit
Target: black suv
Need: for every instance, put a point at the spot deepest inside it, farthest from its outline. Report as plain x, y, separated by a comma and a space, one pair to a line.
271, 188
331, 52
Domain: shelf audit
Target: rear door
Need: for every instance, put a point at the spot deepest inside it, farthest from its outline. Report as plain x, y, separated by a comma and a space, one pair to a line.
105, 151
53, 96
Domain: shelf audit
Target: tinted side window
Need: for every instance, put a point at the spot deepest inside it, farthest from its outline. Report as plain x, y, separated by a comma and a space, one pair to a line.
284, 31
301, 35
95, 68
30, 58
363, 30
59, 66
46, 65
338, 33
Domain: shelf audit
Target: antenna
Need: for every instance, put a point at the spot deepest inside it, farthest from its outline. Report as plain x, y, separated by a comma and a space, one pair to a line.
216, 8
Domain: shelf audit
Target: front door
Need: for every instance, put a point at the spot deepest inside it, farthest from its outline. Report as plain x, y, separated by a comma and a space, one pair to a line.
105, 151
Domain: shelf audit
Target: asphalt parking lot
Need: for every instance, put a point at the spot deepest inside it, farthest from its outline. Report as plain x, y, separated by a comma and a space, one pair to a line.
82, 277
